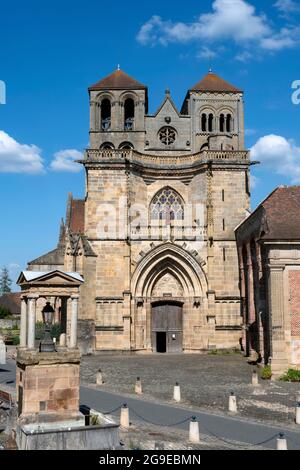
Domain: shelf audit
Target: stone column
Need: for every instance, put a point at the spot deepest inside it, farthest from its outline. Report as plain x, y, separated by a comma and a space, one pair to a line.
23, 325
250, 302
277, 317
251, 307
93, 115
31, 320
127, 320
74, 319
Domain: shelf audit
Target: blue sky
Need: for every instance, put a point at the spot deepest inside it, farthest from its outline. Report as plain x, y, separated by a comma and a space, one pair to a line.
52, 51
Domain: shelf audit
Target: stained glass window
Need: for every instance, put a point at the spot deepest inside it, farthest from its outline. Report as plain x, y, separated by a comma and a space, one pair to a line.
167, 205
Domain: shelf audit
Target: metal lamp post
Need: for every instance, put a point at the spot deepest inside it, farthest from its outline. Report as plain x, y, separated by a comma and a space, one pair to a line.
47, 344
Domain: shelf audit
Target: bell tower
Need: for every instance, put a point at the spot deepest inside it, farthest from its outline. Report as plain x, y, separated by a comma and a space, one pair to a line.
118, 105
217, 112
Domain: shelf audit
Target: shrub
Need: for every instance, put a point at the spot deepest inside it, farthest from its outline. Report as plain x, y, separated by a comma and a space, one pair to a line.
55, 330
16, 340
4, 312
266, 373
292, 375
40, 329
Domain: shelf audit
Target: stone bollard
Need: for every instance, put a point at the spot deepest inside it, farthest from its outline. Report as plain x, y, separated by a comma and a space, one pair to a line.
99, 378
63, 340
232, 405
194, 436
254, 378
124, 417
281, 442
297, 420
177, 394
138, 386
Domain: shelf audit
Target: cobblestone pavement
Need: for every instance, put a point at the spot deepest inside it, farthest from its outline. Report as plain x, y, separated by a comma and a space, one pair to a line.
206, 382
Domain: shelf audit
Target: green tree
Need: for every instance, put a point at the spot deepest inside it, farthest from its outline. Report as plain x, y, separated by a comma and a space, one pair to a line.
5, 281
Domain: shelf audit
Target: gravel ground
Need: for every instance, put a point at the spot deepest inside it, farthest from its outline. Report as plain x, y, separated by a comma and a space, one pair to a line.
141, 437
206, 382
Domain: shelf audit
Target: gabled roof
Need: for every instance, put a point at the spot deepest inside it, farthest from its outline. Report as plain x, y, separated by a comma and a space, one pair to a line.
213, 83
167, 99
75, 214
118, 80
43, 276
53, 257
281, 214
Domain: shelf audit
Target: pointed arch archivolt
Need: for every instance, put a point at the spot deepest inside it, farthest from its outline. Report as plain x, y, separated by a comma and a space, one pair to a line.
172, 259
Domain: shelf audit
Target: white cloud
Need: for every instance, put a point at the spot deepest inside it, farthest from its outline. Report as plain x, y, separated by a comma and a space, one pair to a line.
19, 158
287, 6
64, 160
244, 56
279, 155
285, 38
233, 20
254, 180
249, 132
206, 53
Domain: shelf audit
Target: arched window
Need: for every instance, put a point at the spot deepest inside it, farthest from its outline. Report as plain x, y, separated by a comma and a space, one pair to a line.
126, 146
222, 122
128, 114
228, 123
167, 205
210, 122
107, 145
203, 122
105, 114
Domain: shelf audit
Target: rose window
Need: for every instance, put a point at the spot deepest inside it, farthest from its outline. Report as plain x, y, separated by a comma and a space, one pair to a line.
167, 135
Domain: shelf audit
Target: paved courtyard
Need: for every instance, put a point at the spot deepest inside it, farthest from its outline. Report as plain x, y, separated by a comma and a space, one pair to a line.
206, 382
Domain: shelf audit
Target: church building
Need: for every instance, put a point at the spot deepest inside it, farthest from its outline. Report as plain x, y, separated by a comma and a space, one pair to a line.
154, 237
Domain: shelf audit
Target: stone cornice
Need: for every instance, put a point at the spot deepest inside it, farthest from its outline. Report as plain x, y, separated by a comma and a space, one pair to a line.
153, 167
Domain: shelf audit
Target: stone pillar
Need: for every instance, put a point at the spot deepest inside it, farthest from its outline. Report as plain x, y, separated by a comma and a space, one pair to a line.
243, 294
74, 319
93, 115
251, 306
127, 321
148, 342
23, 325
277, 317
31, 320
250, 302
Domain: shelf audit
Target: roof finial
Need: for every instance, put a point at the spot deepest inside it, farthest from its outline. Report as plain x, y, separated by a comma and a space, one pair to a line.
210, 70
167, 91
118, 68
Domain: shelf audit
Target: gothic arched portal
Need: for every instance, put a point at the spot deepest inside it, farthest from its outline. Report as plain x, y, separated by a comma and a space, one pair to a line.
169, 289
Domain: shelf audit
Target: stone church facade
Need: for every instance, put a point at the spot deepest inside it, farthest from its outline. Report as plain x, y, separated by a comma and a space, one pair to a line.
154, 237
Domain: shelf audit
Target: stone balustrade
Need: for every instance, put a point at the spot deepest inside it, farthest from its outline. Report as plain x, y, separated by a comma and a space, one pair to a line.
98, 155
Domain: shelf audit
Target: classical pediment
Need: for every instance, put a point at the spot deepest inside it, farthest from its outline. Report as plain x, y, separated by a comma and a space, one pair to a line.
55, 278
